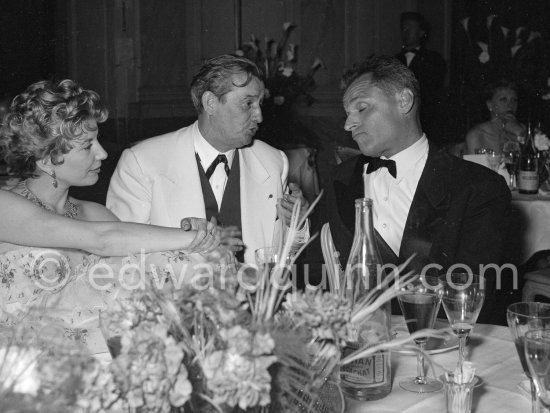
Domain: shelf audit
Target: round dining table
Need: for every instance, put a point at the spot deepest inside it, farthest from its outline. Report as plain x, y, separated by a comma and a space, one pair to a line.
495, 359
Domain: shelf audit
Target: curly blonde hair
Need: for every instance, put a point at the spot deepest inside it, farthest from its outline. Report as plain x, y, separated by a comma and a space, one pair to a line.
44, 121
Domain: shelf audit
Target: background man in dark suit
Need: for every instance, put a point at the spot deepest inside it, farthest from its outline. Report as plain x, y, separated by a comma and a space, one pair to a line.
428, 67
446, 210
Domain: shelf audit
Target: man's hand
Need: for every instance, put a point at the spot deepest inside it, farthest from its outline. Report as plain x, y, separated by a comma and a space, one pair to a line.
208, 234
286, 203
230, 239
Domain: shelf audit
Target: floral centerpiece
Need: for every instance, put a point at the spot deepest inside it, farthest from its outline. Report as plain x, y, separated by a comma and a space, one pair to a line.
285, 87
542, 145
231, 339
40, 372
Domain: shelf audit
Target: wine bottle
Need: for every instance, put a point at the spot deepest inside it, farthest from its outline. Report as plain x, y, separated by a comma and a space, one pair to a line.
368, 378
528, 175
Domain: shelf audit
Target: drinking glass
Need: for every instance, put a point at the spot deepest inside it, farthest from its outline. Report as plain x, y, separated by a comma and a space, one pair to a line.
511, 159
523, 317
494, 159
537, 357
419, 304
269, 256
270, 263
462, 295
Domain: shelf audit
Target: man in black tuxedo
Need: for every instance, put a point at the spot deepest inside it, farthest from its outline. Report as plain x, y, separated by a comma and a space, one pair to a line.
445, 210
427, 65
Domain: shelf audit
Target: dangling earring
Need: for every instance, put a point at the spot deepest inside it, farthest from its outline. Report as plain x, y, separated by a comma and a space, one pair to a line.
54, 178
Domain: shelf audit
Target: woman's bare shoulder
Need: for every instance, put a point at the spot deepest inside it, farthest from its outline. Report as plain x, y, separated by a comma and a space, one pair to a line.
92, 211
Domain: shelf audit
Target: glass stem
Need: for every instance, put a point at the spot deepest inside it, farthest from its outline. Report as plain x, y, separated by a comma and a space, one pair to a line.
461, 351
534, 398
420, 377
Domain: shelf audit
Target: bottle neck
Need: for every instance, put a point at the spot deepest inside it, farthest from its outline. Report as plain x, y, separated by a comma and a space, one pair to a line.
363, 218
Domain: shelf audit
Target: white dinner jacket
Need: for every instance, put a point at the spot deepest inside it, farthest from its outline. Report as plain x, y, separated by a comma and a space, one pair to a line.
157, 182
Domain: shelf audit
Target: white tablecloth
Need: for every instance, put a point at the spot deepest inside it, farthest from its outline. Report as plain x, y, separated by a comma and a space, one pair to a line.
529, 228
494, 355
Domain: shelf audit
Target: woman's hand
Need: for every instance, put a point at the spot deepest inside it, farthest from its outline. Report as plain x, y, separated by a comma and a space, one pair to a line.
510, 124
208, 234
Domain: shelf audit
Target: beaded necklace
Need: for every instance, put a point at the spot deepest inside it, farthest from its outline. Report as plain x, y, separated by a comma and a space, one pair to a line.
71, 209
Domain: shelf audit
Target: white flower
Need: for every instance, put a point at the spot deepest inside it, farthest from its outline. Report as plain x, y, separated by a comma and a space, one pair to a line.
542, 143
287, 71
484, 56
18, 370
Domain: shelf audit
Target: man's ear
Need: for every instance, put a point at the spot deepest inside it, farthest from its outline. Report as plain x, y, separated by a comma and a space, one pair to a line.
406, 100
209, 101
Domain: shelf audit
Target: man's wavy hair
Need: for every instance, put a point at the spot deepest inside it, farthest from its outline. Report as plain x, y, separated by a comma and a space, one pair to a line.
387, 73
45, 120
216, 76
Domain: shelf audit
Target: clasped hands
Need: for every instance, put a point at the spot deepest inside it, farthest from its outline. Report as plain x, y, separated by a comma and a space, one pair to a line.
210, 236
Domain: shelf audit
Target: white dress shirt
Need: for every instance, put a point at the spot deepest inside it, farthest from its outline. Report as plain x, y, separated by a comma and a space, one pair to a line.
410, 56
207, 153
392, 197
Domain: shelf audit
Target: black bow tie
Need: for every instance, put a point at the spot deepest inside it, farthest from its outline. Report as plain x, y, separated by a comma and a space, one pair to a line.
219, 159
377, 163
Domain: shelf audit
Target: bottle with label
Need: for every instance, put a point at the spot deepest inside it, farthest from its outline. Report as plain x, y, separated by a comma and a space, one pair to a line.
528, 175
368, 378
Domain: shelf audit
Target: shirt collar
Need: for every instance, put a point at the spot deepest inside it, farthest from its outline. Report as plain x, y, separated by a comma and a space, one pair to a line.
409, 157
207, 153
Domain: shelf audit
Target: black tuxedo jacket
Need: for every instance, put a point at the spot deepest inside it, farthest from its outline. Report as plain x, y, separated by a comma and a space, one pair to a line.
457, 215
429, 68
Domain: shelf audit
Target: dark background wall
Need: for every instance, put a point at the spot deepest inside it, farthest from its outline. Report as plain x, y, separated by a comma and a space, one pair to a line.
27, 43
140, 55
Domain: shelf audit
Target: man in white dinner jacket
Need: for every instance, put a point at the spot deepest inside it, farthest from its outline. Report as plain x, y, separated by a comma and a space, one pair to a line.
212, 168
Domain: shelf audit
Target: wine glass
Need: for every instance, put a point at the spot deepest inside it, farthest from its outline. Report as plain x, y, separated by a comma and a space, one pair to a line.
462, 295
419, 304
494, 159
523, 317
537, 358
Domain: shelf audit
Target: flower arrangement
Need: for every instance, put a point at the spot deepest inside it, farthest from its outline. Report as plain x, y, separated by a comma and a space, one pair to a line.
231, 339
285, 87
278, 63
541, 143
39, 372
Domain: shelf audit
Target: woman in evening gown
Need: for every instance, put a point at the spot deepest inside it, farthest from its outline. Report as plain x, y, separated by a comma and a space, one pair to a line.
68, 258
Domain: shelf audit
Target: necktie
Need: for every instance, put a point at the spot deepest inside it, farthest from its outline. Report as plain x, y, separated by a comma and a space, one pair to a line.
219, 159
377, 163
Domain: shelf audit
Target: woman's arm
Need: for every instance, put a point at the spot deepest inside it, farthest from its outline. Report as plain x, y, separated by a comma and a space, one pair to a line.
24, 223
473, 141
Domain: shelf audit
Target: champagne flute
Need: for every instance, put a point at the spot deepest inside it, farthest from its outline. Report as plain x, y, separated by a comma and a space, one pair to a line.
521, 318
462, 295
419, 304
537, 358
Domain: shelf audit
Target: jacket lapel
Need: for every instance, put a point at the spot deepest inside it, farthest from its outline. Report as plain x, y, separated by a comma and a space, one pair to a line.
183, 193
259, 194
428, 207
347, 188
